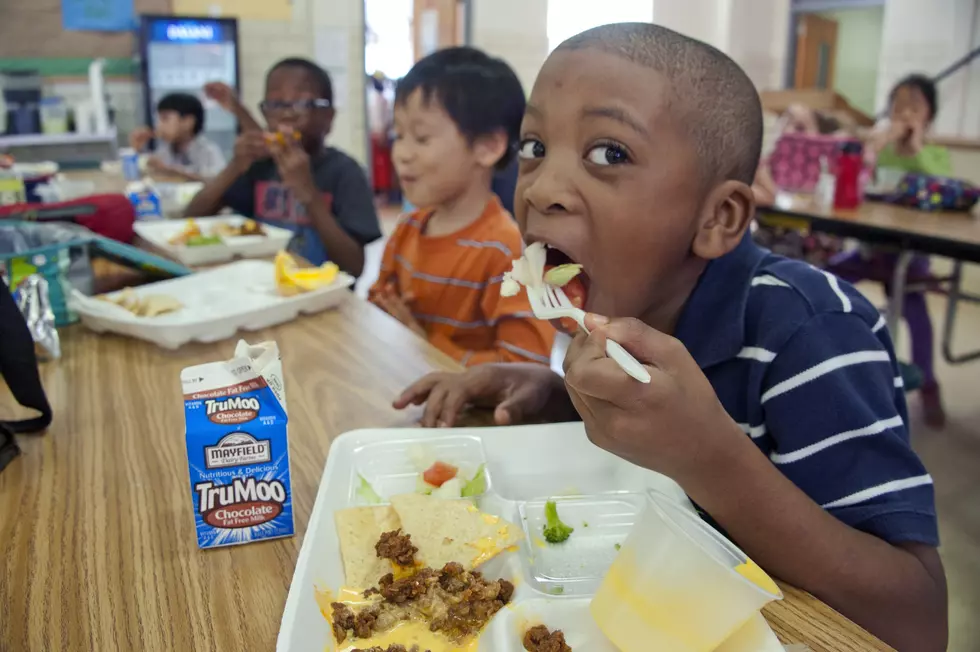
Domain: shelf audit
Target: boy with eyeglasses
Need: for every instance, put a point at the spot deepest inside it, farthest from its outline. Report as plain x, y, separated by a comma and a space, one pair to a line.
288, 177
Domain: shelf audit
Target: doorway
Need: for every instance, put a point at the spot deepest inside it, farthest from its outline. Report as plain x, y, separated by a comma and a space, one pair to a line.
816, 52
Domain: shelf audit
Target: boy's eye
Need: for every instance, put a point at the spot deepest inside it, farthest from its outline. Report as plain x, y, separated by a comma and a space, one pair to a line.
608, 155
531, 149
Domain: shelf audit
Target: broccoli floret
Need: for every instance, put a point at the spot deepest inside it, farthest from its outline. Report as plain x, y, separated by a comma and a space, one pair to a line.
554, 530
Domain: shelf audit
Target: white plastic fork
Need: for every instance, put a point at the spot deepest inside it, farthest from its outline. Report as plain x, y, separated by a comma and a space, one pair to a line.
549, 302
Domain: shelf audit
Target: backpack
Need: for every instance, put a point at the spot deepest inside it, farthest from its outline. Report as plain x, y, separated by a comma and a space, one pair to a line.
18, 368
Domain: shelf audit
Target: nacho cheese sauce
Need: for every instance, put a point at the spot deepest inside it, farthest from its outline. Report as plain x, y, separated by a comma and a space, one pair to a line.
751, 571
408, 633
652, 620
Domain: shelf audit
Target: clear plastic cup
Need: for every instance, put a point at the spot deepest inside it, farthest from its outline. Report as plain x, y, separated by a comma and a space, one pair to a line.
674, 585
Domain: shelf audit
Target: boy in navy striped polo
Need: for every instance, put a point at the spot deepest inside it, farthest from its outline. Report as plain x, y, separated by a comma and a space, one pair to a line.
776, 400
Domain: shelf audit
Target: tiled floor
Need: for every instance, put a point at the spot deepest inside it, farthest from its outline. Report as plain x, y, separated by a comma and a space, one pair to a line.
951, 455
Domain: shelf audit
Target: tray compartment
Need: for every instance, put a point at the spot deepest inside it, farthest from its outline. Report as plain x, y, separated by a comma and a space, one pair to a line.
576, 567
392, 467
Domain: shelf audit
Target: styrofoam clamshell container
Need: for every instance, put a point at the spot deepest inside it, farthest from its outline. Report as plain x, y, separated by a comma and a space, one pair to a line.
159, 232
527, 465
217, 303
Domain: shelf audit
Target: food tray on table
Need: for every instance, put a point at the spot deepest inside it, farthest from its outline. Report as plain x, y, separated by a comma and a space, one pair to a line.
597, 494
213, 305
159, 233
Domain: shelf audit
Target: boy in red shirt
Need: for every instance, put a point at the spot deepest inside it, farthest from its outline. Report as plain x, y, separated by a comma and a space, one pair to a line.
457, 119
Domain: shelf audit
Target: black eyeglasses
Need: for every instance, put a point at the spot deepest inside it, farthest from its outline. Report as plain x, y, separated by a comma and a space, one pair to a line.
298, 106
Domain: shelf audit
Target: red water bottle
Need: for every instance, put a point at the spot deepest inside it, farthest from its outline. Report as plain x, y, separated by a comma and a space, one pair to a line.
849, 163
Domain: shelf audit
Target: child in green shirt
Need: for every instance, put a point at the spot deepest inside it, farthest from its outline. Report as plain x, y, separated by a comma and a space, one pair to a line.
898, 144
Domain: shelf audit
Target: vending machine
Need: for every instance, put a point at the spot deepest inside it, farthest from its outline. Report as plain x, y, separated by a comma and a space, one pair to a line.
180, 54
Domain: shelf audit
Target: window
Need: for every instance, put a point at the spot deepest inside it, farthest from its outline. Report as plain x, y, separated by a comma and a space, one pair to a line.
567, 18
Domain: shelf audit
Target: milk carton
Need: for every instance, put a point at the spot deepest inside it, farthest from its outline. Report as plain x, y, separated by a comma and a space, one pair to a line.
237, 449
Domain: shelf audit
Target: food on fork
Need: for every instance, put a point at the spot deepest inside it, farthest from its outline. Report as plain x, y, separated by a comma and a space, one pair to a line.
531, 270
540, 639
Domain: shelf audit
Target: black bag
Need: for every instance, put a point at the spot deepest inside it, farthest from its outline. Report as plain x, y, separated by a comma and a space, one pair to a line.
18, 367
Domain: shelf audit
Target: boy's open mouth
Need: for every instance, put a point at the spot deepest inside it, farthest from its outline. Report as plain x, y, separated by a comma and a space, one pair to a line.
577, 290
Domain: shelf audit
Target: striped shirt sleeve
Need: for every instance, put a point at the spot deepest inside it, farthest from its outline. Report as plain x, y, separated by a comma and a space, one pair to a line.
517, 336
834, 409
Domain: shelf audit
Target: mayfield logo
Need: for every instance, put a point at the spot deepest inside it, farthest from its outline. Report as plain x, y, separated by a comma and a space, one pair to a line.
243, 503
232, 411
237, 449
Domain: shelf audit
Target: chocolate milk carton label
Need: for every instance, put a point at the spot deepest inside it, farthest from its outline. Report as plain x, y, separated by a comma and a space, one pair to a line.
237, 451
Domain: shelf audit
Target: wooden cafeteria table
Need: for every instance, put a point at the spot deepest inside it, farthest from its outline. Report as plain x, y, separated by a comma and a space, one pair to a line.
905, 230
97, 542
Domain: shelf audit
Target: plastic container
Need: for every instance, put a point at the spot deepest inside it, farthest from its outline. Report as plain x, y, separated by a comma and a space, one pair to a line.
54, 115
575, 567
847, 192
393, 468
674, 585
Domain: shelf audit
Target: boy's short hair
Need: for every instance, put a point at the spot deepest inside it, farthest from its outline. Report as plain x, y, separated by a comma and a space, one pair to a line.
184, 104
320, 77
716, 101
924, 85
481, 94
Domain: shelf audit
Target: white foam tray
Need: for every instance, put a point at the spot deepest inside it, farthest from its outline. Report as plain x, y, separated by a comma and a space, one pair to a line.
217, 303
524, 468
159, 232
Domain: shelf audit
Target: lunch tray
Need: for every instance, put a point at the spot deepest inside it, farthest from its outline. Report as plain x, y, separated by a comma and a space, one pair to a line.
159, 232
598, 494
217, 303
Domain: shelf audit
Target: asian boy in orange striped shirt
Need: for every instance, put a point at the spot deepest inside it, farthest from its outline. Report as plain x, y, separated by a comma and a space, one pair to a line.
457, 119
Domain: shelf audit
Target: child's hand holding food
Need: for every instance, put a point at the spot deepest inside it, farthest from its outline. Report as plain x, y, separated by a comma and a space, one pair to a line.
250, 147
294, 168
517, 392
674, 425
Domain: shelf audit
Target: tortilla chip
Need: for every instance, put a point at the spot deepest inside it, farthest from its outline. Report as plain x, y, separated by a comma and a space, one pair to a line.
159, 304
359, 529
453, 530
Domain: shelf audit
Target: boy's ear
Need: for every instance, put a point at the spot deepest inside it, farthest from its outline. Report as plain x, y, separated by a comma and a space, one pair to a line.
490, 148
725, 216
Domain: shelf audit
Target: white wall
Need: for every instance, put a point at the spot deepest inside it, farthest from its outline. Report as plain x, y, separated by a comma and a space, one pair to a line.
753, 32
758, 33
514, 30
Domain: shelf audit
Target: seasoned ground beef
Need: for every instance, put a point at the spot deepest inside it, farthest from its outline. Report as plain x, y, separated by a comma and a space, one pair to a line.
452, 601
407, 588
343, 620
397, 547
540, 639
